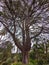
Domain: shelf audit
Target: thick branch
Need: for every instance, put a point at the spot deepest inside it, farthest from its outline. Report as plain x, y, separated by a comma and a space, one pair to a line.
23, 33
17, 43
6, 28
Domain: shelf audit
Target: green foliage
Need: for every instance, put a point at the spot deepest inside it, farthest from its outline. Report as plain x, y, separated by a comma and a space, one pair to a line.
19, 57
19, 63
1, 13
34, 62
9, 60
32, 55
5, 63
40, 62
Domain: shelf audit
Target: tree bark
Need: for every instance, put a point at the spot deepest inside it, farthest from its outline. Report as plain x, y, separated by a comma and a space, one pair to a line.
25, 57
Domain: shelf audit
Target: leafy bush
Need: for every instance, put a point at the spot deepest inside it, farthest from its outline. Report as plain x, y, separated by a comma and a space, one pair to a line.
34, 62
18, 63
5, 63
19, 57
32, 55
40, 62
31, 61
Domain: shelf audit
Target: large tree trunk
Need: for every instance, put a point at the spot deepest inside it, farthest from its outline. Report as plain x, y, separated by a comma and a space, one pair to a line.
25, 56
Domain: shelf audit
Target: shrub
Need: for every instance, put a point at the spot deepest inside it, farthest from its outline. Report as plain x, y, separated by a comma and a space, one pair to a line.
5, 63
19, 57
18, 63
32, 55
33, 62
40, 62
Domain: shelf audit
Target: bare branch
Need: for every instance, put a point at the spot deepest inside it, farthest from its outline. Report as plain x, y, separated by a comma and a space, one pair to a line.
6, 28
38, 33
42, 7
32, 3
24, 3
9, 7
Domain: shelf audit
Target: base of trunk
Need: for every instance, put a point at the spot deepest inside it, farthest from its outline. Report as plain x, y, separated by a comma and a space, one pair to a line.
25, 58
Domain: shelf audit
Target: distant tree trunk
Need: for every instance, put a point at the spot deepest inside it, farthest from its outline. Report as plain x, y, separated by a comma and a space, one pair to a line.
25, 57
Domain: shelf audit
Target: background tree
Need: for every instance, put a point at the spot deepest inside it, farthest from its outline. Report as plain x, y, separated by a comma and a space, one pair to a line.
19, 17
5, 52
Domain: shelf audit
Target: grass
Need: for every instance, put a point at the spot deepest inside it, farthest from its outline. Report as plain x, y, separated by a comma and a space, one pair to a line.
19, 63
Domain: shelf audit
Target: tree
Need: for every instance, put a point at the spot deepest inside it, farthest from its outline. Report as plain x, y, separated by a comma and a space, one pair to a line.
18, 17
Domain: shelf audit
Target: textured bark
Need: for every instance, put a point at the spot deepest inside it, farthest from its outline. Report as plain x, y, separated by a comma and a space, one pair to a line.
25, 57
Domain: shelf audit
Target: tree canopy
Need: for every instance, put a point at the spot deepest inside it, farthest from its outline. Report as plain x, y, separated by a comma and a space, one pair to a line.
21, 18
